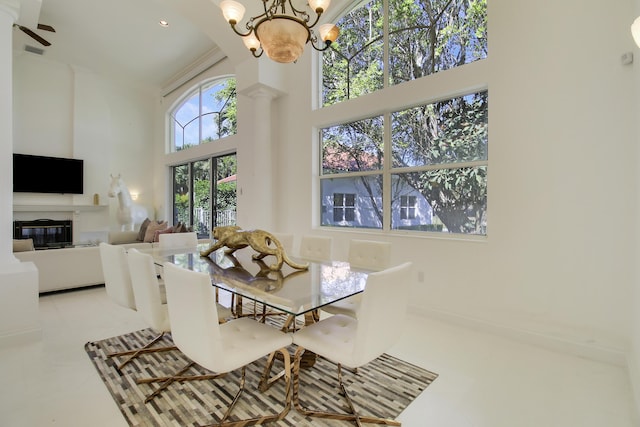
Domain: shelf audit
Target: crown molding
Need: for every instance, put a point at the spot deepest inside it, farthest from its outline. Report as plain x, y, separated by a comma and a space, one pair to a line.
193, 70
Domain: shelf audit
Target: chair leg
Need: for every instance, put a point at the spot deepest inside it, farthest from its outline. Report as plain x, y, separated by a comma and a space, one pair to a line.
353, 417
266, 418
177, 377
143, 350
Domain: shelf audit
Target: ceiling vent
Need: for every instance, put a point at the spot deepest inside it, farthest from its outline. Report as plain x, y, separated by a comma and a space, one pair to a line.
34, 49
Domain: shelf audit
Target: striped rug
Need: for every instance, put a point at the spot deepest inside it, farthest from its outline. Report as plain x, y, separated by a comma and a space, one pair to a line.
382, 388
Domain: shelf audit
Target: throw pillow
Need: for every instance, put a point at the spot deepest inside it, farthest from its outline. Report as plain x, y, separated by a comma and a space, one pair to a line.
156, 236
151, 230
143, 230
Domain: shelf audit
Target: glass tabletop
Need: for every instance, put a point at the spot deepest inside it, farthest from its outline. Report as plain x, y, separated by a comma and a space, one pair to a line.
291, 291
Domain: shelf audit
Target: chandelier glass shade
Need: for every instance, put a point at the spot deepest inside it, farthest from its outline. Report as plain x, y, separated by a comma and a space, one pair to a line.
282, 31
635, 31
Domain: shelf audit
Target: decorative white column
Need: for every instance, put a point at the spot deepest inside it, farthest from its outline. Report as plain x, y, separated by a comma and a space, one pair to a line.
263, 159
18, 280
261, 81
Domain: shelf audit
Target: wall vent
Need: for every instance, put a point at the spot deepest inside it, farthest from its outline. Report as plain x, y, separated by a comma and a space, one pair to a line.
34, 49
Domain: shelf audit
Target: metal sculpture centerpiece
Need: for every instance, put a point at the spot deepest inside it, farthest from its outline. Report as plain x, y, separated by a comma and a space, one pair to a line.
266, 244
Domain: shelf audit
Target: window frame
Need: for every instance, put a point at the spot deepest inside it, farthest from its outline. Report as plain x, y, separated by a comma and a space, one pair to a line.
198, 91
459, 81
388, 171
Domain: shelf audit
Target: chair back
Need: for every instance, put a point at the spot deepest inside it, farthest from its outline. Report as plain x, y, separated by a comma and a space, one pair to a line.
117, 280
193, 314
286, 240
382, 312
146, 290
369, 254
315, 248
178, 240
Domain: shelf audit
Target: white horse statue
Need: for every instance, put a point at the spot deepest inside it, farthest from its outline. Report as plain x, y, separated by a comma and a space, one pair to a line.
129, 213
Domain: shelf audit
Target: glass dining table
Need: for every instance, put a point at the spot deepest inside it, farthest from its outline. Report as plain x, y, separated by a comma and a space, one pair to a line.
289, 291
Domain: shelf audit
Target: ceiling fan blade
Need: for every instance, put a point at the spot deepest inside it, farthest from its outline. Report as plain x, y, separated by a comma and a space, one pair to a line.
46, 28
34, 36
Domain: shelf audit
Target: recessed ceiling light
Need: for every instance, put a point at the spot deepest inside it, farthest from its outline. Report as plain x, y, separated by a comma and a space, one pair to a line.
163, 23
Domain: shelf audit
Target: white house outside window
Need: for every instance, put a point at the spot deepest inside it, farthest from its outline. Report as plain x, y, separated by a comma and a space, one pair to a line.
344, 207
408, 207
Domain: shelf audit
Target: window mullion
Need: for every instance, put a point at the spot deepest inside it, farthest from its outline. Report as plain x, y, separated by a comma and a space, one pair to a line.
199, 115
213, 193
386, 176
385, 44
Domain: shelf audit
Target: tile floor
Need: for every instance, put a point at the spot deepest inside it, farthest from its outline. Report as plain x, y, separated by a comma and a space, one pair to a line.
485, 381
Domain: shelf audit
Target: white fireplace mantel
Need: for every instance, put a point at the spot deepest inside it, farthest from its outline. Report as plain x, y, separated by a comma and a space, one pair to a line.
58, 208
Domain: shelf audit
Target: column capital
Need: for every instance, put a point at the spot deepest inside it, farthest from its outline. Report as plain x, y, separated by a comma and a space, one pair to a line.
260, 90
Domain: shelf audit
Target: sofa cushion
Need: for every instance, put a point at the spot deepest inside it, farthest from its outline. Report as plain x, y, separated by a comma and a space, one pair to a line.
143, 229
151, 230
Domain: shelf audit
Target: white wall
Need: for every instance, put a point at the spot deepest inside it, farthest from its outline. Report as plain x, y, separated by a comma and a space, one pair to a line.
557, 266
64, 111
634, 355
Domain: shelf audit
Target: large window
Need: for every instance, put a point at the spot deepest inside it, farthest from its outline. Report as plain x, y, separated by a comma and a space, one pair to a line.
206, 114
201, 202
436, 179
419, 167
416, 38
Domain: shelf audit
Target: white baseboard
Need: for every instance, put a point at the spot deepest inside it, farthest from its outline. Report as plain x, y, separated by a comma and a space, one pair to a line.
593, 352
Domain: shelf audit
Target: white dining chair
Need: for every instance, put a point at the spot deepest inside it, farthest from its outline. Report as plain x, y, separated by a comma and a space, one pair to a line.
220, 348
146, 291
315, 248
286, 240
354, 342
178, 240
117, 283
365, 254
175, 241
117, 280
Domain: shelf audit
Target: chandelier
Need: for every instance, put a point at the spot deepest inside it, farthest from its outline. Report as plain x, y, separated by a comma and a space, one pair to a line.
282, 30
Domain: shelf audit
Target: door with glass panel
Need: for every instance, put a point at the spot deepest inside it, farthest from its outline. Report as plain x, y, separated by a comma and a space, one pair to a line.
201, 202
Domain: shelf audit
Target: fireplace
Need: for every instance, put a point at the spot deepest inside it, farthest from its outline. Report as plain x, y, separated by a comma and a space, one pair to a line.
46, 233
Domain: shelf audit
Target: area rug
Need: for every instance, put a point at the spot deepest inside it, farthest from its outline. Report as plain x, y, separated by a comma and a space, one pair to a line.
382, 388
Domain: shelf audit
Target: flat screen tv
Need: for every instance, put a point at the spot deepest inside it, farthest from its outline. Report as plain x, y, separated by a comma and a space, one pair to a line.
42, 174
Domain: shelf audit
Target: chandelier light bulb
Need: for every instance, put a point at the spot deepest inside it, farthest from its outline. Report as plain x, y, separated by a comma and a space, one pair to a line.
635, 31
328, 32
232, 11
319, 6
251, 42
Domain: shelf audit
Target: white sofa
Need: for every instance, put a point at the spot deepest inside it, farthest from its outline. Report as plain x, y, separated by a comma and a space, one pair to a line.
76, 267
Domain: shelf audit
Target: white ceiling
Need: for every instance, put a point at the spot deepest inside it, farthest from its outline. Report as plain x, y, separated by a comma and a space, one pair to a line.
120, 38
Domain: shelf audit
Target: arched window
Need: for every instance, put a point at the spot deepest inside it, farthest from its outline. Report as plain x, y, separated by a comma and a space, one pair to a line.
205, 114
